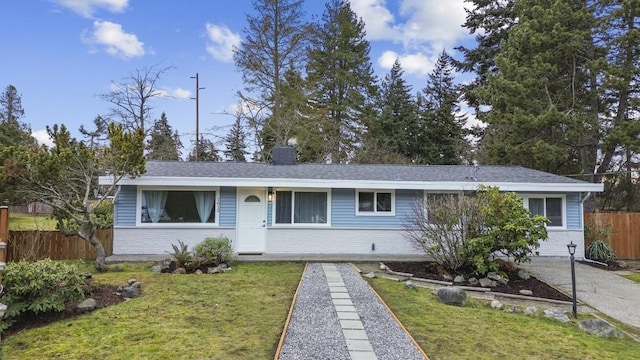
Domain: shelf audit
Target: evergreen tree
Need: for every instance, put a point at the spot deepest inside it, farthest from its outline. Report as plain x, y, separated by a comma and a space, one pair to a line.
13, 132
439, 136
392, 130
538, 115
235, 142
164, 143
341, 81
207, 151
274, 41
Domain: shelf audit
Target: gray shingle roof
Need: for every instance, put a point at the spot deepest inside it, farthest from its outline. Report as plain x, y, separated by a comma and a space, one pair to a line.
440, 173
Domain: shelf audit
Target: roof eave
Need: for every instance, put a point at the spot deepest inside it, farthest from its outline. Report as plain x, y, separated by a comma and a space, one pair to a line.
366, 184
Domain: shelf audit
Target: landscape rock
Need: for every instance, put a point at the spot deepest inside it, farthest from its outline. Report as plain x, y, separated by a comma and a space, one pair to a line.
132, 291
447, 277
523, 274
223, 266
213, 270
526, 292
599, 328
498, 278
383, 267
179, 271
410, 285
531, 310
557, 314
87, 305
473, 281
132, 281
227, 269
86, 275
486, 282
198, 272
370, 275
156, 268
458, 279
452, 295
495, 304
162, 266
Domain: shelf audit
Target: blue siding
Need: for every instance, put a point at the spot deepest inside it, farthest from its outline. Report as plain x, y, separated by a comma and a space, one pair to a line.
574, 211
125, 206
343, 210
228, 206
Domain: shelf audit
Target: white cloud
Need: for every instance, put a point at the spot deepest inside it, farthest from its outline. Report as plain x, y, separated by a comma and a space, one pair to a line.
418, 21
177, 93
86, 8
417, 64
115, 40
42, 137
221, 43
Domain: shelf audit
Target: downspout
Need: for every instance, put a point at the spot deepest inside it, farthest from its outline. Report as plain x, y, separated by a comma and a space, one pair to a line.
582, 200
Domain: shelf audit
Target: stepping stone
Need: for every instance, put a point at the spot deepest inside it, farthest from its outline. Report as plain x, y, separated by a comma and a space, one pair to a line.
351, 324
340, 296
363, 355
359, 345
339, 302
345, 308
338, 289
348, 316
355, 334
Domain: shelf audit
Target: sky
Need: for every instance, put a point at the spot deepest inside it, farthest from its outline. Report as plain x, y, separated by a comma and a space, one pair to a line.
62, 54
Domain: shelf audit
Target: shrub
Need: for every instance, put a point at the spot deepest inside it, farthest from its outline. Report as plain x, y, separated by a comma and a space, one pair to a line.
38, 287
214, 251
181, 255
601, 251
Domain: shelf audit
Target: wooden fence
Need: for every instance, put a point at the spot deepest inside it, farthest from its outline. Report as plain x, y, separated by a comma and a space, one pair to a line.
625, 240
32, 245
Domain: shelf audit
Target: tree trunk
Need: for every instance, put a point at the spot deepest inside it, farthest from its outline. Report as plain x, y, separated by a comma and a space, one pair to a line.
101, 262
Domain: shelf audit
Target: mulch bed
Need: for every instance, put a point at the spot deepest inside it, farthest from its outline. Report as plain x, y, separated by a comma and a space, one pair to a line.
431, 270
105, 295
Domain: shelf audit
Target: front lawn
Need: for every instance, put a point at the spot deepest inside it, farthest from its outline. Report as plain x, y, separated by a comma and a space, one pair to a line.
478, 332
235, 315
635, 277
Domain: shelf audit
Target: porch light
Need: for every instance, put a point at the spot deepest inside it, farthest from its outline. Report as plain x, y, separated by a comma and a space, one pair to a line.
572, 251
270, 195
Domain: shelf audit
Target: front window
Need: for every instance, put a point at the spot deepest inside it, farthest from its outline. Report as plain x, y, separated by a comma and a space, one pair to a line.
301, 207
172, 206
375, 202
549, 207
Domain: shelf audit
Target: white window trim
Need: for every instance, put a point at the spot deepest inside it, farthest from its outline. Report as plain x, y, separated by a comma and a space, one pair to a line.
140, 189
299, 225
563, 197
425, 203
375, 211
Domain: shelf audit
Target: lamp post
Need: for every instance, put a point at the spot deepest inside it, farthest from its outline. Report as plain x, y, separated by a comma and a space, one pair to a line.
572, 251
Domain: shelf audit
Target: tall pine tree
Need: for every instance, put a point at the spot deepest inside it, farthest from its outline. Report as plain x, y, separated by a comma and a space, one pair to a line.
207, 151
341, 81
164, 143
439, 137
235, 142
274, 42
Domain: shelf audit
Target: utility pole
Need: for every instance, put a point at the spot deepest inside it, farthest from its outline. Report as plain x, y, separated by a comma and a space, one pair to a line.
197, 98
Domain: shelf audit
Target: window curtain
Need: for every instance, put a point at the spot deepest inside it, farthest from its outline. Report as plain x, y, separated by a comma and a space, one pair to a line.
204, 203
310, 208
283, 207
155, 200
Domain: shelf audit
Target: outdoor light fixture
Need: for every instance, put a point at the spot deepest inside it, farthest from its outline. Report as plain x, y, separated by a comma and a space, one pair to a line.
270, 195
572, 251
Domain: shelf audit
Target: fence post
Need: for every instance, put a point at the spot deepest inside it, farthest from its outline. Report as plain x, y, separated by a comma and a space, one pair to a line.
4, 239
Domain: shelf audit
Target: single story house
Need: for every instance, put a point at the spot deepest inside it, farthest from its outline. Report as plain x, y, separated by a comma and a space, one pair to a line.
285, 210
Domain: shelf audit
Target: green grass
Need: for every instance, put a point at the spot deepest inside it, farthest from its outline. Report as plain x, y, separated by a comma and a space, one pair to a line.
478, 332
235, 315
19, 222
635, 277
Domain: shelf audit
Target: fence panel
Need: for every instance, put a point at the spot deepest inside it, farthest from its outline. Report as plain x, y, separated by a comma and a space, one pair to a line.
625, 240
33, 245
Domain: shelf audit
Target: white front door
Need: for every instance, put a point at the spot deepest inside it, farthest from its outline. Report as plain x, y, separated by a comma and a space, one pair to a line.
252, 221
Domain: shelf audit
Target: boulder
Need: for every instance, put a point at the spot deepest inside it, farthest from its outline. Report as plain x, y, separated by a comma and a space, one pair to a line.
370, 275
447, 277
213, 270
557, 314
473, 281
495, 304
523, 274
132, 281
531, 310
486, 283
458, 279
132, 291
497, 278
179, 271
410, 285
87, 305
526, 292
452, 295
599, 328
198, 272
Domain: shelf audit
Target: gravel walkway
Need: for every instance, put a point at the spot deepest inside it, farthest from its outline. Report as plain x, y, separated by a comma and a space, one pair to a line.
321, 319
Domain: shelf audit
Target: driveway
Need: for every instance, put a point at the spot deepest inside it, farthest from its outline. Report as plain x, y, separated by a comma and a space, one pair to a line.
607, 292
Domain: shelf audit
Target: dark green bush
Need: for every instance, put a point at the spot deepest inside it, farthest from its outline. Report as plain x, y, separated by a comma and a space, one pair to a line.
601, 251
38, 287
214, 251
